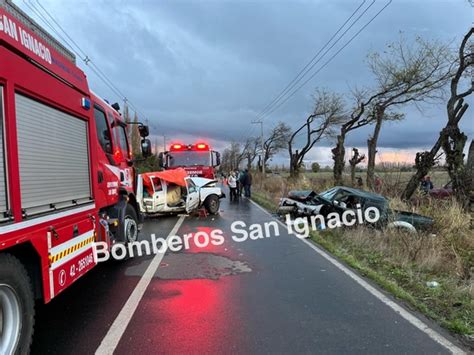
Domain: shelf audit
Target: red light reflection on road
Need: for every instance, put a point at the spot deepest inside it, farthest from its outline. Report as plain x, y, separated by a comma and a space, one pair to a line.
186, 316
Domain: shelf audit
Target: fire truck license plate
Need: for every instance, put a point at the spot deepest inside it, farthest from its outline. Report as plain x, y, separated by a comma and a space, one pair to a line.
70, 271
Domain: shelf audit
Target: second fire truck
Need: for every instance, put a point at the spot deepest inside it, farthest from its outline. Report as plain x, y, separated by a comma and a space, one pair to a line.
198, 159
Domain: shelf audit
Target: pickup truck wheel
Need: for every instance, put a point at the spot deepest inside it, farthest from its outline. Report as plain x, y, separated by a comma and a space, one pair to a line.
131, 224
212, 204
17, 312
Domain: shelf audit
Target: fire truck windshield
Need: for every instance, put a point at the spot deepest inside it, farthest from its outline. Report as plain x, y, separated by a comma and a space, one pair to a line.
189, 158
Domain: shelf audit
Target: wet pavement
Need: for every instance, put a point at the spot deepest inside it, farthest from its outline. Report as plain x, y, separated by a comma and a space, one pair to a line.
269, 295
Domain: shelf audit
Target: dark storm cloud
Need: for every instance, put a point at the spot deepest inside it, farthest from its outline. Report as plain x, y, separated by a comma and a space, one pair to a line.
206, 68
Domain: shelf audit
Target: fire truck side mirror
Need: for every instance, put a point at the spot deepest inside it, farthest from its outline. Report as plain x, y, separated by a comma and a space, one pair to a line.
218, 159
144, 131
116, 106
161, 160
146, 147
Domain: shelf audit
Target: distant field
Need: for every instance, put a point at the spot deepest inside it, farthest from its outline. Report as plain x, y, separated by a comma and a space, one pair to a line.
439, 178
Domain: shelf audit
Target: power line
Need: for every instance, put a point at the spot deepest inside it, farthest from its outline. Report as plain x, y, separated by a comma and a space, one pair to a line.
276, 102
328, 61
302, 73
67, 39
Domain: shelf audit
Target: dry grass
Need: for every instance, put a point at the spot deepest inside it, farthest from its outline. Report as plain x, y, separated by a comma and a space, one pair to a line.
408, 260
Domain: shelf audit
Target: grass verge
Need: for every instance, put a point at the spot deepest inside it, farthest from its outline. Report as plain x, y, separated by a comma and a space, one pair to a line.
451, 304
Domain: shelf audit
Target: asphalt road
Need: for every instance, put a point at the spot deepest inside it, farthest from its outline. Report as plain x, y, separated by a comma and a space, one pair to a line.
271, 295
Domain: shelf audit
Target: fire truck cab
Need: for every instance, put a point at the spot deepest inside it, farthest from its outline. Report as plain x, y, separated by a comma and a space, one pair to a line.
199, 160
66, 174
116, 175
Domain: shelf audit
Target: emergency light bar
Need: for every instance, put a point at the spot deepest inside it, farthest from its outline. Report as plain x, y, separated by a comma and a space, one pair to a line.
198, 146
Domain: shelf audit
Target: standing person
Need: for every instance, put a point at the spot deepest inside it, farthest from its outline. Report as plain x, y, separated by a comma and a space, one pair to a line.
248, 183
232, 182
426, 184
239, 186
242, 180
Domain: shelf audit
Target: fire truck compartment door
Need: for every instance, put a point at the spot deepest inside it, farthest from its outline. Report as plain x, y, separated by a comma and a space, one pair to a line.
3, 182
192, 198
54, 157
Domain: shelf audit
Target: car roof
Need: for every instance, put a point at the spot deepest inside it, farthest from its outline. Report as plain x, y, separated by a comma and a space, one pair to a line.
362, 193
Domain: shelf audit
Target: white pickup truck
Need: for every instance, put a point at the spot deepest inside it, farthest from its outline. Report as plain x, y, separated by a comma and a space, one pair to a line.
172, 191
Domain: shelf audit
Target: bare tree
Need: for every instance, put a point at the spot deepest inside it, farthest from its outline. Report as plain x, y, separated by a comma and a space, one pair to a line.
232, 157
252, 149
135, 136
356, 119
451, 139
328, 113
405, 74
276, 141
354, 161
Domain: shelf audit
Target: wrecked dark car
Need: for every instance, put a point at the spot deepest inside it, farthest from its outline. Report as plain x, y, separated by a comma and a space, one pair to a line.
340, 198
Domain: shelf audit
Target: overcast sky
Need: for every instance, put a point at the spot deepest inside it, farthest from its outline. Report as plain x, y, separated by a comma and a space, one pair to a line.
205, 69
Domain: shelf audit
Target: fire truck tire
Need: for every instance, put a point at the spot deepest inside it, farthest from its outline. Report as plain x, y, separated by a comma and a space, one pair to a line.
17, 307
131, 224
212, 204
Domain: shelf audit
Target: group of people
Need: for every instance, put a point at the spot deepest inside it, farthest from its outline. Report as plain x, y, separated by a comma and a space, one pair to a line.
239, 181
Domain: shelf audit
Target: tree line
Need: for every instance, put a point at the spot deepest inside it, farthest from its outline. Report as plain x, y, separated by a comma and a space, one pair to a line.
419, 73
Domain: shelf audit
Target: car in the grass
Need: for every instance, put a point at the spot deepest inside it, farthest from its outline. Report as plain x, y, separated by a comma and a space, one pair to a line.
341, 198
442, 192
173, 191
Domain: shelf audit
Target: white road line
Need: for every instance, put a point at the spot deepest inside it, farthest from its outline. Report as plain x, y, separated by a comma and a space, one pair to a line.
417, 323
113, 336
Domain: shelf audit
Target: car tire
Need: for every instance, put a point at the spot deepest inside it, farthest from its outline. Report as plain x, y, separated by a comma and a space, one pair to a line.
212, 204
17, 307
130, 224
402, 226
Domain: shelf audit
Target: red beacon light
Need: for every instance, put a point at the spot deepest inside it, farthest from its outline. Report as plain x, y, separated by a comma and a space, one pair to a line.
118, 156
176, 147
202, 146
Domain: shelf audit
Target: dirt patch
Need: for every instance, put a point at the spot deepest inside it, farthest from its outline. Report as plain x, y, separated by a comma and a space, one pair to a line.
189, 266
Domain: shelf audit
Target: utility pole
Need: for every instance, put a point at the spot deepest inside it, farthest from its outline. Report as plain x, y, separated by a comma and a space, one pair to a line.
262, 155
164, 143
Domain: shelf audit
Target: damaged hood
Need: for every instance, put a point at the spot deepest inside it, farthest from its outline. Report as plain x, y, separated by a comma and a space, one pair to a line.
204, 182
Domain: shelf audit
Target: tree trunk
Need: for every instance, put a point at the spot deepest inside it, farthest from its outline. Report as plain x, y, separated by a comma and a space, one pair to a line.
249, 163
372, 149
424, 161
353, 175
470, 168
356, 159
453, 146
338, 154
294, 165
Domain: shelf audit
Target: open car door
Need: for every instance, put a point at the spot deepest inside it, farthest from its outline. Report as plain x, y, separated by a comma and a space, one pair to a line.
192, 197
140, 193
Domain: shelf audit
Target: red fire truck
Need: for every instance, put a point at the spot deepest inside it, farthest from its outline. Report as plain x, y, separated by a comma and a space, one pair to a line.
197, 159
66, 174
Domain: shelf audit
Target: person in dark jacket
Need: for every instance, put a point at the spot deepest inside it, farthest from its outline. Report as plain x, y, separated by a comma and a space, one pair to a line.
247, 181
426, 184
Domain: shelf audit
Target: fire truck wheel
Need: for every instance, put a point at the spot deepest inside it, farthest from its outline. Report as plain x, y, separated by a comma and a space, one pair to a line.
17, 312
212, 204
131, 224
